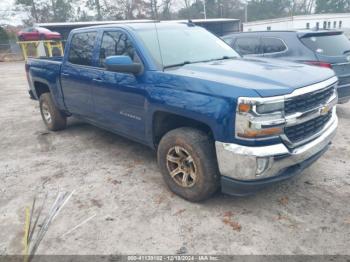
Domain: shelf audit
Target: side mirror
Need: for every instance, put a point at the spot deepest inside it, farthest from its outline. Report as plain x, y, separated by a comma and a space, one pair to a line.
122, 64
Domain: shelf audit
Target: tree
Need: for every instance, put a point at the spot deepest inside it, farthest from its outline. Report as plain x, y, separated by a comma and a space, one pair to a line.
304, 7
31, 5
46, 11
267, 9
62, 10
166, 10
332, 6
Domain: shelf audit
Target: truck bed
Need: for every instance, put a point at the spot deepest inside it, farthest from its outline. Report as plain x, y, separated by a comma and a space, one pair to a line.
45, 70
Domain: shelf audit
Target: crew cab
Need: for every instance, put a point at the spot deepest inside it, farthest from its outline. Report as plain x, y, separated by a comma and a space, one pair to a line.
217, 121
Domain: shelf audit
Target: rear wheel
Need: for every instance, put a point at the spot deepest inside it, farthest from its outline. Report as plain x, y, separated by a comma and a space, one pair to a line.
187, 160
52, 117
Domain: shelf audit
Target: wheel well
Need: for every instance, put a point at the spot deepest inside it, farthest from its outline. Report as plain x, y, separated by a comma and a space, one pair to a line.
164, 122
41, 88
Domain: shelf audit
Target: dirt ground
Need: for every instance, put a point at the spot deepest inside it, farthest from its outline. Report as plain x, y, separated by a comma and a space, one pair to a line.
118, 183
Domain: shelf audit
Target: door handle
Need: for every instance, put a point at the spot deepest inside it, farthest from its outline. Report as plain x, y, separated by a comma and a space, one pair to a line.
65, 74
97, 79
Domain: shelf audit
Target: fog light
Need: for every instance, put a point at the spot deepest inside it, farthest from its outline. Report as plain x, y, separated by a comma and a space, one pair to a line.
262, 164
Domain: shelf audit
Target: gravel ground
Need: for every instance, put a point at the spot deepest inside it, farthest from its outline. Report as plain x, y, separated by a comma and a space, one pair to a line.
117, 181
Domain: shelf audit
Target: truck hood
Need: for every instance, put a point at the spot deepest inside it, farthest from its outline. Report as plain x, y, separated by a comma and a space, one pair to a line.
268, 77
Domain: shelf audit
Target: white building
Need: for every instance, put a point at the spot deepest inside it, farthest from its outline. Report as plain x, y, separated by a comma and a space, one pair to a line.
320, 21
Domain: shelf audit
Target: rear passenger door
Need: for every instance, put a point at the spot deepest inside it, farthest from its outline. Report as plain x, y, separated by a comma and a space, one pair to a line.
273, 47
78, 74
248, 46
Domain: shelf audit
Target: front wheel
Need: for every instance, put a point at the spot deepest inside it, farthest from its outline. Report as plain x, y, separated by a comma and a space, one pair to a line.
52, 117
187, 160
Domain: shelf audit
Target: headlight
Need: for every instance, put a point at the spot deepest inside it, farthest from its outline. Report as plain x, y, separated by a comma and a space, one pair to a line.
259, 118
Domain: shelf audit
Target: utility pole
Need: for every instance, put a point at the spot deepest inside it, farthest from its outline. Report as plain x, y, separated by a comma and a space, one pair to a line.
205, 10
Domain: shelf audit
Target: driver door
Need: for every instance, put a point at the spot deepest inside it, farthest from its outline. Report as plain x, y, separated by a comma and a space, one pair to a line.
119, 97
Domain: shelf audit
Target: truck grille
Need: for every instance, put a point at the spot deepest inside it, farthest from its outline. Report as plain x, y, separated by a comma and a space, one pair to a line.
303, 131
308, 101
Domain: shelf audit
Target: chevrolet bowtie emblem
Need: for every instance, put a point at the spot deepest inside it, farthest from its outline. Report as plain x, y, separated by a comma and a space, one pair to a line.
324, 110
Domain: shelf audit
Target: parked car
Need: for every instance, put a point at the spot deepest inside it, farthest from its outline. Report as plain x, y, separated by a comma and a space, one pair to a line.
215, 120
37, 33
324, 48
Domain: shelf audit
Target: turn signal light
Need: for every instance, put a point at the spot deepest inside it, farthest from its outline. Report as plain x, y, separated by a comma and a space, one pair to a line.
263, 132
244, 108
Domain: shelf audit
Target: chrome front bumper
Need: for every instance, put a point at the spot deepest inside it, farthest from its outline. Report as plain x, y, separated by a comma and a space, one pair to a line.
245, 163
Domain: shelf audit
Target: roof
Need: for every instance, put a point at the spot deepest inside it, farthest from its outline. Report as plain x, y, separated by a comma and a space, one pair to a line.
300, 33
135, 26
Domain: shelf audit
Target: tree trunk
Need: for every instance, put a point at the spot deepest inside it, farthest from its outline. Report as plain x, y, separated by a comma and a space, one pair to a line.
34, 12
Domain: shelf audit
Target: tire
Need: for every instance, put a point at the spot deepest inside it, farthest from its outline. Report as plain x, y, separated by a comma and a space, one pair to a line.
200, 170
52, 117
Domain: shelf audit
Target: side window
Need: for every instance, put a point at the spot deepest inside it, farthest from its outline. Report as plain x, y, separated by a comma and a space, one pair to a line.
116, 43
81, 48
273, 45
247, 46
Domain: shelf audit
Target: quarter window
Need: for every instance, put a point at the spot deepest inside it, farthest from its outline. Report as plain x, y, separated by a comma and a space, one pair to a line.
248, 46
273, 45
116, 43
81, 48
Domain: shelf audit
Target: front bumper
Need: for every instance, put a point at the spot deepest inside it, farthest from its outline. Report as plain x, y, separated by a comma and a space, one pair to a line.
245, 169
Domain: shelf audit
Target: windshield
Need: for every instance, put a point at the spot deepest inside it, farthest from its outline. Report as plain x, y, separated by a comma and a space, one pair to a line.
183, 45
328, 45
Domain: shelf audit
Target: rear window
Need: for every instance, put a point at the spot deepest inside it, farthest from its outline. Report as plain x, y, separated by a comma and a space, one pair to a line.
328, 45
81, 48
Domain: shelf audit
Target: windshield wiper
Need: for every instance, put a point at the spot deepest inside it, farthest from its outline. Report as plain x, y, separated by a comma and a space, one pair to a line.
225, 57
346, 51
178, 65
218, 59
204, 61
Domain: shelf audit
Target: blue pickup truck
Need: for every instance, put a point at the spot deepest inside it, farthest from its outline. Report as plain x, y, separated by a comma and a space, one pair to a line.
216, 120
